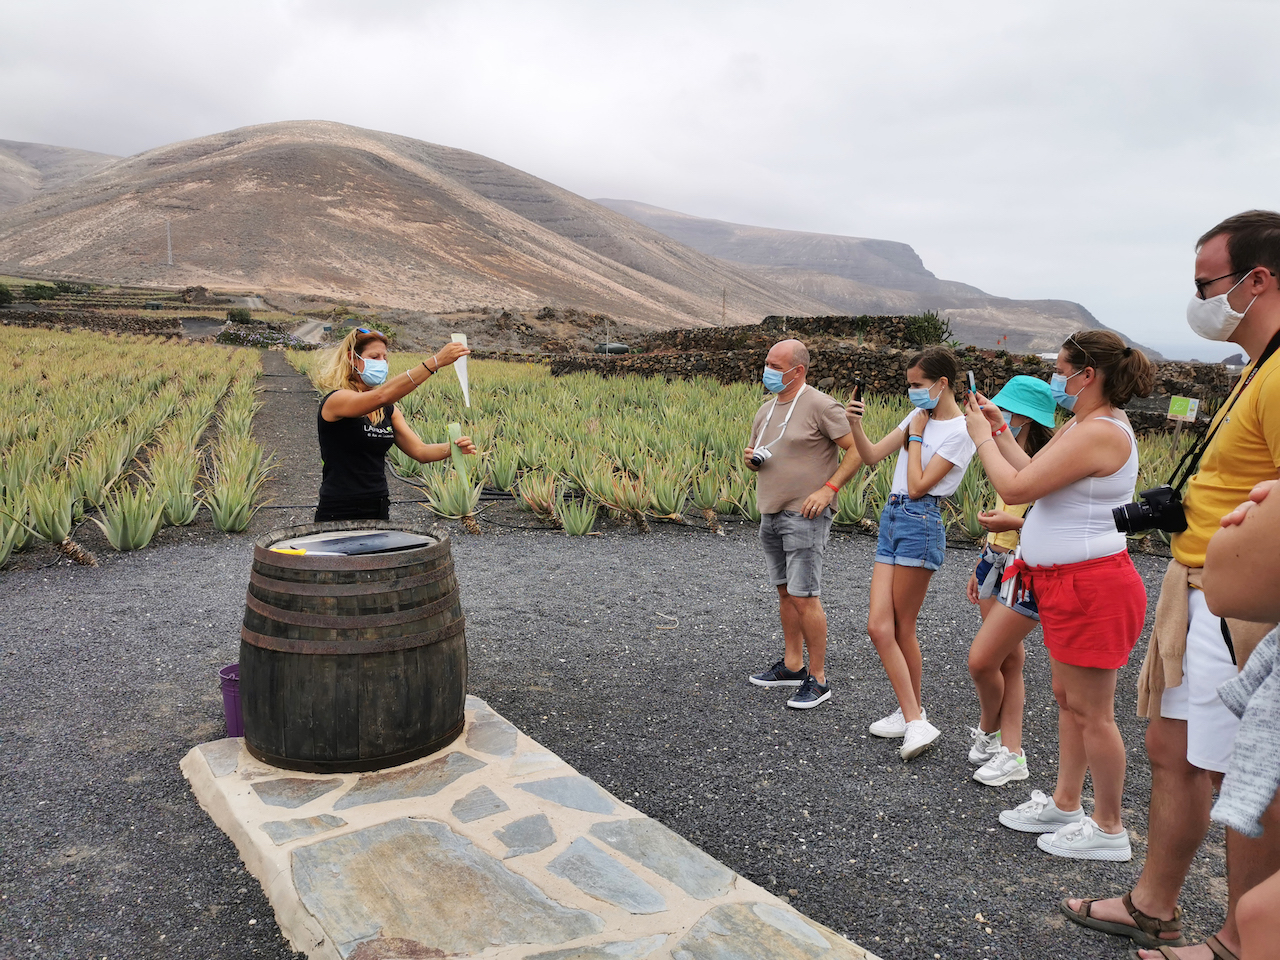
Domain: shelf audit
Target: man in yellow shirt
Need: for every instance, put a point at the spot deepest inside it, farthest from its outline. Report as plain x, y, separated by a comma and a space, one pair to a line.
1192, 651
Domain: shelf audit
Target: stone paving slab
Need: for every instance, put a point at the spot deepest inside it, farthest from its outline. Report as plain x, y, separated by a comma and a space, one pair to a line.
494, 848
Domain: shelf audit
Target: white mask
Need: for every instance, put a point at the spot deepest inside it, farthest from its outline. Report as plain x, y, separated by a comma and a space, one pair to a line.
1214, 319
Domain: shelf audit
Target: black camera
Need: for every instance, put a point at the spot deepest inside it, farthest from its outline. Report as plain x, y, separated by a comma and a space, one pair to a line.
1159, 508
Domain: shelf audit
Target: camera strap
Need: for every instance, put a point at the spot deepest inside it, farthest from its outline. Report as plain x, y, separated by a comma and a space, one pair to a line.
1191, 459
769, 416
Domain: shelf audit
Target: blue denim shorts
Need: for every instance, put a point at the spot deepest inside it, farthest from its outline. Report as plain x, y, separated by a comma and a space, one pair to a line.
912, 533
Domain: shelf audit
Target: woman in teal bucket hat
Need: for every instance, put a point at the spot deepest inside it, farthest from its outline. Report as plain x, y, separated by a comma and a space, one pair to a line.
1008, 616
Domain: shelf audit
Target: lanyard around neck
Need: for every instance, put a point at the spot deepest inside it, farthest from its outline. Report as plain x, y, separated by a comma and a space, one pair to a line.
769, 416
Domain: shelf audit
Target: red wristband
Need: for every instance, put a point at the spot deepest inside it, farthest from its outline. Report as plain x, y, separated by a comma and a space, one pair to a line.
1003, 428
832, 486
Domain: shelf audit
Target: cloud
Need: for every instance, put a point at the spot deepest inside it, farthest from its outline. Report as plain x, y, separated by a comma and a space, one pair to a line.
1057, 149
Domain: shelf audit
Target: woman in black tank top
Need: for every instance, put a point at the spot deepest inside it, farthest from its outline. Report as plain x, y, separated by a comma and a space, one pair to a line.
358, 421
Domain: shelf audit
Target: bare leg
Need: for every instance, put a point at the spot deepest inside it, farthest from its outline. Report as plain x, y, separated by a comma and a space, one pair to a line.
1015, 698
1178, 819
883, 624
1090, 704
909, 587
1001, 635
1258, 919
813, 626
1072, 761
792, 629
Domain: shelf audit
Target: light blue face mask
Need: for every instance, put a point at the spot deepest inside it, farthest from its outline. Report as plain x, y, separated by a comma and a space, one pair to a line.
1058, 387
374, 372
772, 379
922, 398
1008, 418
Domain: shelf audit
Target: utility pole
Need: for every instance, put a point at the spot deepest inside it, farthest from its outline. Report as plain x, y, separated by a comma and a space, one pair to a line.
168, 239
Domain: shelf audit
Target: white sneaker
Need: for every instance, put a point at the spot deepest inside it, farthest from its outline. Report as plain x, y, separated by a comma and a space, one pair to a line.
919, 737
1001, 768
1084, 840
984, 745
894, 725
1039, 815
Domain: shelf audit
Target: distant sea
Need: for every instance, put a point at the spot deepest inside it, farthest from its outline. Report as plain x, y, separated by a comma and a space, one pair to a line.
1205, 351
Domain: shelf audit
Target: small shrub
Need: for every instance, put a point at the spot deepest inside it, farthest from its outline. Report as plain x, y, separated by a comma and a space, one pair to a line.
39, 291
6, 295
927, 328
239, 315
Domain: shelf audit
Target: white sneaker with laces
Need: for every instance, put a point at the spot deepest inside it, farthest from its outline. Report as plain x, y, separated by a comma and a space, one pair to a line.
984, 745
919, 737
1001, 768
1084, 840
894, 725
1039, 815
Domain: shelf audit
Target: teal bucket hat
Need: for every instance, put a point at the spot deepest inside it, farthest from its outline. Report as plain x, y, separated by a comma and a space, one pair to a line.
1028, 396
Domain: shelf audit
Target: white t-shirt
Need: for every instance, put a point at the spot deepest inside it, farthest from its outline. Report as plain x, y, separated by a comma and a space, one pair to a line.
948, 439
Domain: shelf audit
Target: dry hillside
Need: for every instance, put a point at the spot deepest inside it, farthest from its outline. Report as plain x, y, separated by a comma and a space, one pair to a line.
322, 208
857, 275
27, 169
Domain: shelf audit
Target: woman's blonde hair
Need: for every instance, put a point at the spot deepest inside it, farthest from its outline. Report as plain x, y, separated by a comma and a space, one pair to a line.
339, 373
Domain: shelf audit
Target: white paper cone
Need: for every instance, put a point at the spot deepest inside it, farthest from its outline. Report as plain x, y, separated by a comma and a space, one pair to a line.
460, 365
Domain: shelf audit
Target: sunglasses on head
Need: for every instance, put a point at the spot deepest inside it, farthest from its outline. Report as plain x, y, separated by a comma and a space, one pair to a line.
376, 333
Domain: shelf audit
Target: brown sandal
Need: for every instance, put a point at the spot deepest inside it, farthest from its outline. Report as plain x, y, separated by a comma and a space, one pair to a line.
1145, 933
1213, 943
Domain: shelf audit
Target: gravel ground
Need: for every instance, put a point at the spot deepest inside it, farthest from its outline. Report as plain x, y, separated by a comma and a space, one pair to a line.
109, 677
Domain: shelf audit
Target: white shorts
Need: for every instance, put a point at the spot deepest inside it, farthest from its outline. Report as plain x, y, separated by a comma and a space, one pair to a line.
1211, 727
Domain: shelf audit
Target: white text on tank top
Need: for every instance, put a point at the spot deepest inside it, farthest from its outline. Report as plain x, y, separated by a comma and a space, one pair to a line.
1075, 524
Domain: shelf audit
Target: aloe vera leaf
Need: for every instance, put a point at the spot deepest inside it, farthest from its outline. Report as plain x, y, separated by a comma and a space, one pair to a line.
459, 459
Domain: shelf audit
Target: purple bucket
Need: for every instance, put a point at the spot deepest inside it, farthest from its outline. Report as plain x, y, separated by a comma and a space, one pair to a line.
230, 677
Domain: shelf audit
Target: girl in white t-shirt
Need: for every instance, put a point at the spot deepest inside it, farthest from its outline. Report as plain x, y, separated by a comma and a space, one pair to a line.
933, 448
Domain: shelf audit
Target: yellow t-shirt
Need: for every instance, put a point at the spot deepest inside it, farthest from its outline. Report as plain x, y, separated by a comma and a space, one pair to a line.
1245, 451
1009, 538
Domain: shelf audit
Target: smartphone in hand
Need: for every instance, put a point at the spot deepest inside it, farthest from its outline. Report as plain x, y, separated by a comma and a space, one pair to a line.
857, 389
972, 386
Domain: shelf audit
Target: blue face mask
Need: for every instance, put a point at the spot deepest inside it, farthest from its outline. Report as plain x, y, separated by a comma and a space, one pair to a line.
1008, 418
772, 379
922, 398
1058, 387
374, 372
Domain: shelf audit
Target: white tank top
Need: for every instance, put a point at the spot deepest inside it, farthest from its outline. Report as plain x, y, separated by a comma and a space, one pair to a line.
1075, 523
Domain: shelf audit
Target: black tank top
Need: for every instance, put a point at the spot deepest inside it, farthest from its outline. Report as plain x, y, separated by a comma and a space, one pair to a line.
353, 453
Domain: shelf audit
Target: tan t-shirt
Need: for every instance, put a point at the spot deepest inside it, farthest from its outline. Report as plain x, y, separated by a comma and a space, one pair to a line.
805, 456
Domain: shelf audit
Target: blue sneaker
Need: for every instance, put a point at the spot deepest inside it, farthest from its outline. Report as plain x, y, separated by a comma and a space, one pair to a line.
810, 694
779, 676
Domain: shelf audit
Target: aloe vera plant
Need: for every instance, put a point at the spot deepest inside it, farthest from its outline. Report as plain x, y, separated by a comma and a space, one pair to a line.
538, 494
173, 473
51, 509
452, 495
130, 518
576, 516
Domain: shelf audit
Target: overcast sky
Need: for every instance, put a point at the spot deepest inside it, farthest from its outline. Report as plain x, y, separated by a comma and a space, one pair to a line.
1038, 148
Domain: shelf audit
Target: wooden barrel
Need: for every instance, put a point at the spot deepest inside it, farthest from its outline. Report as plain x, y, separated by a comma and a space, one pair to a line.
352, 663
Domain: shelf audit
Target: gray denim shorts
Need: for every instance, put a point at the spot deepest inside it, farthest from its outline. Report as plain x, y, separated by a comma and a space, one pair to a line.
793, 549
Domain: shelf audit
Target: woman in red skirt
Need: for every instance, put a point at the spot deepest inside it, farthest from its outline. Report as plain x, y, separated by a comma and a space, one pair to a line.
1091, 600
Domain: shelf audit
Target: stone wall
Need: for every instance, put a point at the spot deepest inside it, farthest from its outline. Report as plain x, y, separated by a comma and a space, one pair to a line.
883, 370
90, 320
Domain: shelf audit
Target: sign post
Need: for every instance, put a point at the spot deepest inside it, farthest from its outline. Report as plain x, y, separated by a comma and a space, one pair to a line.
1183, 410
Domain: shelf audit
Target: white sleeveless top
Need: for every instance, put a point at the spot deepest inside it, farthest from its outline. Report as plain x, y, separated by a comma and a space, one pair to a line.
1075, 523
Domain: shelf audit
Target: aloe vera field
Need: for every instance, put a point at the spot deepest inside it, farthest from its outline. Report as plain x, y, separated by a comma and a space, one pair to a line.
129, 433
578, 448
134, 434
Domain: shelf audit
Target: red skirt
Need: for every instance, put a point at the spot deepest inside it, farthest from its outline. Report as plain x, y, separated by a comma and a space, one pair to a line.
1092, 613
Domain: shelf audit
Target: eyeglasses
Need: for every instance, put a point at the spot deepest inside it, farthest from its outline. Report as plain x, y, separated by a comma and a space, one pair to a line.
1201, 285
376, 333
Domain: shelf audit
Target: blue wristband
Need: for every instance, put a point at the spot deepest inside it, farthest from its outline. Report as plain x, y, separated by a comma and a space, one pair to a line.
912, 436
